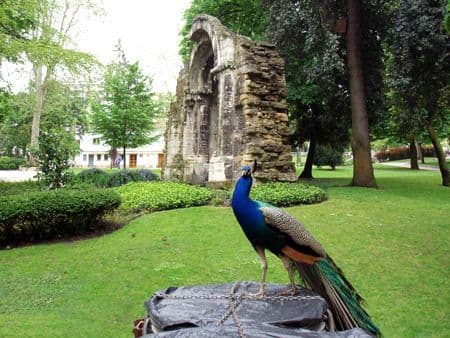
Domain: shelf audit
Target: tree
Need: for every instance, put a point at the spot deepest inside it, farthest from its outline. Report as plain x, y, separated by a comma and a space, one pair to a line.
420, 69
315, 75
48, 49
124, 113
17, 18
245, 17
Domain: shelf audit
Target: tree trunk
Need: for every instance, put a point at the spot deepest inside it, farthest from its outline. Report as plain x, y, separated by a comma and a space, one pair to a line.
413, 155
440, 154
419, 151
363, 175
124, 158
307, 170
41, 90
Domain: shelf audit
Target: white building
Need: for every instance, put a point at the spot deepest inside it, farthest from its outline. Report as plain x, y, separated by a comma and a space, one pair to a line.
95, 154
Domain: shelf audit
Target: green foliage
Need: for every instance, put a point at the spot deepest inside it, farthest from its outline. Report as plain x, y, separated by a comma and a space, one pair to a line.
11, 163
57, 148
16, 188
328, 155
93, 176
401, 153
102, 179
17, 18
153, 196
418, 52
124, 113
315, 71
285, 194
53, 214
122, 177
245, 17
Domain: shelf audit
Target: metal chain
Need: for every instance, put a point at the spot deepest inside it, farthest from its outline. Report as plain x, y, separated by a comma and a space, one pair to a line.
234, 301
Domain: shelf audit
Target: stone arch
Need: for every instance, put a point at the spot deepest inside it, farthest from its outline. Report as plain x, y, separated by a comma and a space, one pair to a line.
230, 109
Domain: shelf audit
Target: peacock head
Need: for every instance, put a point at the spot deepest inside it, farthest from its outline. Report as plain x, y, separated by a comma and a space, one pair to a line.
247, 171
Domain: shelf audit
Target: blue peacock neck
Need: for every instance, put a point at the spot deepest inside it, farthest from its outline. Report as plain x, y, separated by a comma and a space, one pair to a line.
241, 194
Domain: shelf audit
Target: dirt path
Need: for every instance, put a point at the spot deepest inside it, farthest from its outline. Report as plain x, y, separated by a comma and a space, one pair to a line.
407, 165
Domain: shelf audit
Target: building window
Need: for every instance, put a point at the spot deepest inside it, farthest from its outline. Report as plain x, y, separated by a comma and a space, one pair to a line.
141, 155
84, 157
96, 141
106, 157
99, 157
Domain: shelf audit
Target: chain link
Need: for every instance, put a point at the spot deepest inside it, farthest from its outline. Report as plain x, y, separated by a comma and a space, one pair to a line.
234, 301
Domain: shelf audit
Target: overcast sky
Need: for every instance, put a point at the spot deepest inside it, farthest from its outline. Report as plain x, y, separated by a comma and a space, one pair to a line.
148, 30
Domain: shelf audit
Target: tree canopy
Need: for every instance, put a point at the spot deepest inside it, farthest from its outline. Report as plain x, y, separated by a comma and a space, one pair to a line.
124, 112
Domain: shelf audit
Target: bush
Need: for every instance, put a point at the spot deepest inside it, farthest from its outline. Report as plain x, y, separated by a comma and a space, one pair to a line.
93, 176
126, 176
102, 179
11, 163
153, 196
328, 155
285, 194
53, 214
15, 188
402, 153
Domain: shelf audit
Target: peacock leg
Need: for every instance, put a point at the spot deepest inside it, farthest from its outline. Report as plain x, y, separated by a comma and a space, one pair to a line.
288, 266
262, 256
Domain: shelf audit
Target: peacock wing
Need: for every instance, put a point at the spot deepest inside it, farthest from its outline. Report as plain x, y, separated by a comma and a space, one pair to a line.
285, 223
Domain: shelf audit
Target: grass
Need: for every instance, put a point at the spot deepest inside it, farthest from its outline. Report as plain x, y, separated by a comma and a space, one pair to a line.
392, 243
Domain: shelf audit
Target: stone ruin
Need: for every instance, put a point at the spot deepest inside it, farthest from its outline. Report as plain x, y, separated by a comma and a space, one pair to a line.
230, 109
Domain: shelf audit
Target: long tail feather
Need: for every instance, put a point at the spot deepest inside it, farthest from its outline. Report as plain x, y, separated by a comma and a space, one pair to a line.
328, 280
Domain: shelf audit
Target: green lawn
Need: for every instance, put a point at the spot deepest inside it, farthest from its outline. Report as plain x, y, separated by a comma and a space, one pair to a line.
392, 243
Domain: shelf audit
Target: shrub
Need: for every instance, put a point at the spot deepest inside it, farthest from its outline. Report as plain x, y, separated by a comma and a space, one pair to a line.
15, 188
402, 153
152, 196
11, 163
53, 214
126, 176
285, 194
328, 155
93, 176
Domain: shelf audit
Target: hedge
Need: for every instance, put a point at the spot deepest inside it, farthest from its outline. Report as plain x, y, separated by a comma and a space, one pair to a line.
402, 153
53, 214
285, 194
153, 196
11, 163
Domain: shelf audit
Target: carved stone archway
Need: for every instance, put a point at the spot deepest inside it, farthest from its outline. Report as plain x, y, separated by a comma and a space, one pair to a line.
230, 110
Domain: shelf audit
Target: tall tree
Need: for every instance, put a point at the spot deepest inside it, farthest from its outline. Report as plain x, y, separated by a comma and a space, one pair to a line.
420, 69
124, 113
315, 74
50, 48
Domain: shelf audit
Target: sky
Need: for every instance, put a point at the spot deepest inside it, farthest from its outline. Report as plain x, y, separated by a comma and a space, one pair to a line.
148, 30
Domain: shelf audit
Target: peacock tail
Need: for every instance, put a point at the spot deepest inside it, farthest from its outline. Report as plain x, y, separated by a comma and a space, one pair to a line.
327, 279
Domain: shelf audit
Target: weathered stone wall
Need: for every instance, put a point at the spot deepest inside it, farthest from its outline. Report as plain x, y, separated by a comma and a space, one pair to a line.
230, 110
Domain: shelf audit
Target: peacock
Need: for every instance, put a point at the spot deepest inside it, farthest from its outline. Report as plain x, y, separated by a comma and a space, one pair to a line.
268, 227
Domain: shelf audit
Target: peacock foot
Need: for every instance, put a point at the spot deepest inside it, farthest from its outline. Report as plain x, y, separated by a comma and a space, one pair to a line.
260, 294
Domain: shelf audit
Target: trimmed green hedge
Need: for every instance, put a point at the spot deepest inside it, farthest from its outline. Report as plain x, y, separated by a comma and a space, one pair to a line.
11, 163
15, 188
53, 214
153, 196
285, 194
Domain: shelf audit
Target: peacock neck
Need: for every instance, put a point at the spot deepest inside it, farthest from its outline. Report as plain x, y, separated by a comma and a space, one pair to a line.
241, 194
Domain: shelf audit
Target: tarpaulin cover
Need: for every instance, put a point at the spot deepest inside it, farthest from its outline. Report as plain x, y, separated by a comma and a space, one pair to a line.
227, 310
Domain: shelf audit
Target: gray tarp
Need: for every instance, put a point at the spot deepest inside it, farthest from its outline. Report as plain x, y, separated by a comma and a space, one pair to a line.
226, 310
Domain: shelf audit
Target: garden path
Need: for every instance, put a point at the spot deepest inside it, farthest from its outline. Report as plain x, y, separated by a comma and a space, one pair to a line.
17, 175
